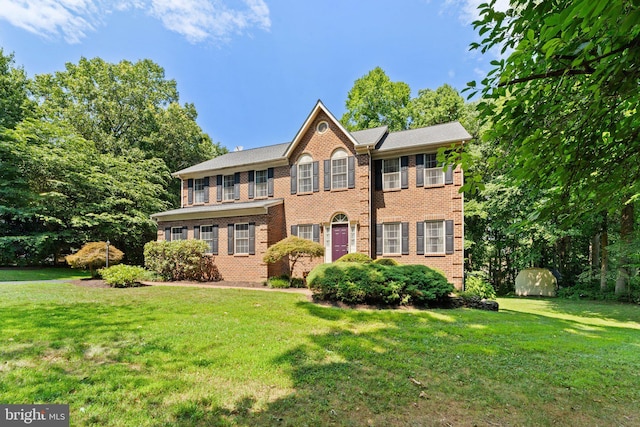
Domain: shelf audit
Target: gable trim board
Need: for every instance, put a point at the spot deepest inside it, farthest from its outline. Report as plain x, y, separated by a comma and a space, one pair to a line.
358, 202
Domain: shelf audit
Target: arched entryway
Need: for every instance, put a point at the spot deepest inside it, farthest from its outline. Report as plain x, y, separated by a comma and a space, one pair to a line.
339, 236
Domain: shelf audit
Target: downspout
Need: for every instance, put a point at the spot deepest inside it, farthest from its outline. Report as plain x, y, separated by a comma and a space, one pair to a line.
181, 198
370, 202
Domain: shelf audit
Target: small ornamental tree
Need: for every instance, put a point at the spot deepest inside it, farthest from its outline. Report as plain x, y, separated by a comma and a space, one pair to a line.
295, 248
93, 256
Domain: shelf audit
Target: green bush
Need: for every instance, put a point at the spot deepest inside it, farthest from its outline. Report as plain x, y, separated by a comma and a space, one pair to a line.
355, 283
355, 257
283, 282
386, 261
124, 276
293, 248
477, 285
181, 260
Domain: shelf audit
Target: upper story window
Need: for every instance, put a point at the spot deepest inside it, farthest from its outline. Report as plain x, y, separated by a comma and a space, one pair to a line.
241, 239
433, 173
391, 238
391, 174
339, 169
434, 237
176, 233
261, 183
228, 187
305, 174
198, 187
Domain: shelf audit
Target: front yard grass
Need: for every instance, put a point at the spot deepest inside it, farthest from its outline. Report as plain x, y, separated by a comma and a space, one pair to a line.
165, 356
33, 274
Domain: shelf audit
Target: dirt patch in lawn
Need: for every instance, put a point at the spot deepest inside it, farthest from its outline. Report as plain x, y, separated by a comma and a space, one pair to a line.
90, 283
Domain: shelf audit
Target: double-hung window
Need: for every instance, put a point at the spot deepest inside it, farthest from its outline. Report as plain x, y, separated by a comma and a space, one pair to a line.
261, 183
391, 238
305, 231
176, 233
391, 174
305, 174
241, 239
433, 173
206, 234
434, 237
339, 170
198, 187
228, 187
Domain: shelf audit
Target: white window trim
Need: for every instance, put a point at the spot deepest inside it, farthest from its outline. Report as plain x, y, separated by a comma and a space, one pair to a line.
308, 230
319, 125
384, 187
427, 170
339, 155
261, 188
442, 238
305, 160
236, 239
327, 243
384, 238
174, 234
353, 236
225, 187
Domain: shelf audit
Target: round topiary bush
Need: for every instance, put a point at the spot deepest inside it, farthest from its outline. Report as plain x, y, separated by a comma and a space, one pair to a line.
355, 257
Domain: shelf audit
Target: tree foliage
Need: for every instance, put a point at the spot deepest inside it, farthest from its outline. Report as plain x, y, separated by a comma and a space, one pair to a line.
564, 105
293, 248
93, 256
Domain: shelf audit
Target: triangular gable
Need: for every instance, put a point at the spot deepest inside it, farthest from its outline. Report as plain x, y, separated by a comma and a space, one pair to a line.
307, 123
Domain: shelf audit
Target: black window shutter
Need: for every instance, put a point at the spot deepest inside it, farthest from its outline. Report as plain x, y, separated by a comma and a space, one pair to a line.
218, 188
316, 184
214, 250
448, 233
230, 229
294, 179
419, 170
316, 233
294, 230
377, 165
251, 183
448, 175
236, 186
167, 234
327, 175
185, 232
190, 191
405, 238
351, 172
206, 189
270, 182
196, 232
420, 238
252, 238
404, 172
378, 239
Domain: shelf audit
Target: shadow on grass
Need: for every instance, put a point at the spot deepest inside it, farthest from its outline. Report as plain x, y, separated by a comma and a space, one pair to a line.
458, 367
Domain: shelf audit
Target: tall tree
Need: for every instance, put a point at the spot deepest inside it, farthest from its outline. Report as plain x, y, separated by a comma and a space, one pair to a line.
374, 100
14, 101
432, 107
566, 103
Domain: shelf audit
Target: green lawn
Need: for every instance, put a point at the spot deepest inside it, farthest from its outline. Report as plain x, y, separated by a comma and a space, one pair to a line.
38, 273
161, 356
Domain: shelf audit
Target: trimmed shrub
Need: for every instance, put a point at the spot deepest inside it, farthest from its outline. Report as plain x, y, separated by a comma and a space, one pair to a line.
124, 276
386, 261
93, 256
355, 257
294, 248
355, 283
476, 285
181, 260
284, 281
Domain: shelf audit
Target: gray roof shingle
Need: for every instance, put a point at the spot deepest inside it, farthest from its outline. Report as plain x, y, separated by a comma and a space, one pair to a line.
369, 136
432, 135
212, 211
238, 158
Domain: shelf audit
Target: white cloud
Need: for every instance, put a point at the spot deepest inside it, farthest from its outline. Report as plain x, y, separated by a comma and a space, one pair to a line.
196, 20
468, 9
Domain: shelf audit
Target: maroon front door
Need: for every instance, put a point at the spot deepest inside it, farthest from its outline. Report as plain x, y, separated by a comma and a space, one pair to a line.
339, 240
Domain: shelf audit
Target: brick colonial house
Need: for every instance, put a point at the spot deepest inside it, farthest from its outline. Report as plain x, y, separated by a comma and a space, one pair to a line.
371, 191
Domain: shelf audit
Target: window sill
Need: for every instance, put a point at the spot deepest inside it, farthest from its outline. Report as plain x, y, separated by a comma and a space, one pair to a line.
241, 255
391, 190
433, 185
228, 201
436, 255
338, 190
392, 255
307, 193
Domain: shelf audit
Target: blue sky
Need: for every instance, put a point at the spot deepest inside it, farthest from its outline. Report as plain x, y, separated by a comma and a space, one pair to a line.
253, 68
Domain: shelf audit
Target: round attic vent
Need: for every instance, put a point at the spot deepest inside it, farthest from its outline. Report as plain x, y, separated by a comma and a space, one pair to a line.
322, 127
